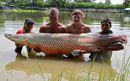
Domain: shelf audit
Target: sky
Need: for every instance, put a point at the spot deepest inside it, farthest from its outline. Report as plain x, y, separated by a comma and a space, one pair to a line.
112, 1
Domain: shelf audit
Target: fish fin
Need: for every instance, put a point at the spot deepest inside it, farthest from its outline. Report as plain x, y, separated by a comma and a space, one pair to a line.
75, 52
24, 51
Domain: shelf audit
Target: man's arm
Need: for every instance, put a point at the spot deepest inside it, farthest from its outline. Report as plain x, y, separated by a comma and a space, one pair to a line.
19, 45
63, 29
119, 45
68, 29
41, 30
114, 47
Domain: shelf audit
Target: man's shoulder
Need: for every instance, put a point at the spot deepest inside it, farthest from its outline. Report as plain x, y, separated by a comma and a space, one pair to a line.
61, 26
20, 31
69, 26
44, 27
86, 26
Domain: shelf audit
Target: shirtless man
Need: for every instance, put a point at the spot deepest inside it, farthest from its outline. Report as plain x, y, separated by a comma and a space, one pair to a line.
77, 26
53, 26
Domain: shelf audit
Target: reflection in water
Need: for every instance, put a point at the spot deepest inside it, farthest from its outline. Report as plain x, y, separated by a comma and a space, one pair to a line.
53, 65
126, 19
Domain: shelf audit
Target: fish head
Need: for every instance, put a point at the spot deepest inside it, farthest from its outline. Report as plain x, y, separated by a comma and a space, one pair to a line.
18, 38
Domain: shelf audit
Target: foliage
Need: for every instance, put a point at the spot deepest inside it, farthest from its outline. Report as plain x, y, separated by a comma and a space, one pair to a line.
58, 3
0, 1
93, 5
108, 2
127, 4
37, 4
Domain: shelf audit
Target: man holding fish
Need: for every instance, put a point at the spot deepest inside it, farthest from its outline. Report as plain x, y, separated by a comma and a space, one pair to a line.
55, 27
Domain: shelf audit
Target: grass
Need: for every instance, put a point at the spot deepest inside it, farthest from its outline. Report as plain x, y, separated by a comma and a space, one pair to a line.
124, 71
123, 75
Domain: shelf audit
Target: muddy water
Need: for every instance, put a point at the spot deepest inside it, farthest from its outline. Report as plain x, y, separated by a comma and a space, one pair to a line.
14, 67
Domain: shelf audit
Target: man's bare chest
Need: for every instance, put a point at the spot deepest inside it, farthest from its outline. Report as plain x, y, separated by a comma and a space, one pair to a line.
54, 30
77, 31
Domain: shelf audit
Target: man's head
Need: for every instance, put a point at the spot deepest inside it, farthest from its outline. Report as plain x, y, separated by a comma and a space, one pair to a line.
28, 24
54, 14
29, 20
105, 24
77, 15
77, 11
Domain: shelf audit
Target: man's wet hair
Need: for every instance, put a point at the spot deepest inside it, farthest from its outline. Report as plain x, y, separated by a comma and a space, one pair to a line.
106, 20
55, 9
77, 11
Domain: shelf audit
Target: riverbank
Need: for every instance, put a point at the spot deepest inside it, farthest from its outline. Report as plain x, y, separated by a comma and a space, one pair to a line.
91, 10
69, 9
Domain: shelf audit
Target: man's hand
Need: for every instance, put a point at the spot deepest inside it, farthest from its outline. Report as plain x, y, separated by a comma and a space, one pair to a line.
102, 49
19, 45
124, 38
37, 49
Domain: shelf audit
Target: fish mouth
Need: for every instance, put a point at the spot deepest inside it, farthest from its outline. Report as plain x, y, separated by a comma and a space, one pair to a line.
14, 39
9, 36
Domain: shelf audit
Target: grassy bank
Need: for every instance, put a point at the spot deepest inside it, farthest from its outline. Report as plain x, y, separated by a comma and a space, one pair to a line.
20, 10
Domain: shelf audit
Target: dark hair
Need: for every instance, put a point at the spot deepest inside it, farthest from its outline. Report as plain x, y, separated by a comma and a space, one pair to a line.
106, 20
29, 20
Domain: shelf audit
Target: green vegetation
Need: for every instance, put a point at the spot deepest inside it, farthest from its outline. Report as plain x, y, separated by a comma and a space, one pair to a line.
20, 10
113, 75
69, 5
39, 4
94, 5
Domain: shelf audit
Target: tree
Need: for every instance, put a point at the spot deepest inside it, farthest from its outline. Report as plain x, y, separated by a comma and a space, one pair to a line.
126, 3
108, 2
0, 1
83, 0
58, 3
12, 1
87, 0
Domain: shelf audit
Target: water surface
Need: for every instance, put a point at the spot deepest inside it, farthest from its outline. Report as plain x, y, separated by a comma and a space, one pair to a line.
14, 67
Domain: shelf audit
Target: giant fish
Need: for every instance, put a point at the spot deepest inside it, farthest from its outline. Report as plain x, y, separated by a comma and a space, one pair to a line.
65, 43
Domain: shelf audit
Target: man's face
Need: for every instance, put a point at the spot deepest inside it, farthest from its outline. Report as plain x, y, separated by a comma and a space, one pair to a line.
53, 16
28, 26
77, 18
105, 26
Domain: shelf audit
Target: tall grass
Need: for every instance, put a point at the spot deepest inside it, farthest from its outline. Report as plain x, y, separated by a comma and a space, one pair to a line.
124, 70
123, 75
